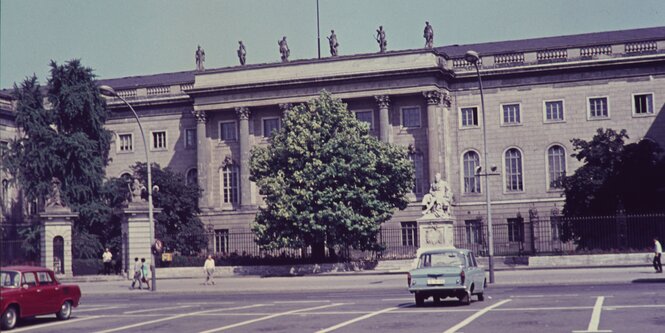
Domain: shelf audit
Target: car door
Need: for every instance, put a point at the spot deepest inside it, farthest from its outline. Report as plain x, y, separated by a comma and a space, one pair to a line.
472, 270
479, 275
49, 293
30, 297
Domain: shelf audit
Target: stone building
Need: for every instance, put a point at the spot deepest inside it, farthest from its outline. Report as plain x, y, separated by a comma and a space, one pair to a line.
539, 94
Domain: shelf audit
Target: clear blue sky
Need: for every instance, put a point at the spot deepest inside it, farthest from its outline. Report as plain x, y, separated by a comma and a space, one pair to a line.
136, 37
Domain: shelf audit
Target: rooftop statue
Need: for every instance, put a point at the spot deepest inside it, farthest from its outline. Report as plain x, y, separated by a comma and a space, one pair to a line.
381, 39
332, 40
242, 53
437, 201
284, 49
429, 35
200, 56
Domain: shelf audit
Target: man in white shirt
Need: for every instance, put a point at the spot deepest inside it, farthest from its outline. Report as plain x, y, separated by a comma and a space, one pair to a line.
658, 253
106, 258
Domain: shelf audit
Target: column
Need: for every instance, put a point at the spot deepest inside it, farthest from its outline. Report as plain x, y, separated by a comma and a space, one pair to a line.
384, 121
433, 99
243, 139
203, 160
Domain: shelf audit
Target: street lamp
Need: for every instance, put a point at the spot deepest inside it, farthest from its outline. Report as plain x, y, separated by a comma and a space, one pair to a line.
110, 92
472, 57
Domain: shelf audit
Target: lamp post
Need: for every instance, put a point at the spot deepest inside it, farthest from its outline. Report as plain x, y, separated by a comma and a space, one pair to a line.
472, 57
109, 91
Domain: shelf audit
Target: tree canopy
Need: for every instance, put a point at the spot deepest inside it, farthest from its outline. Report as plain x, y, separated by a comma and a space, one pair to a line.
326, 180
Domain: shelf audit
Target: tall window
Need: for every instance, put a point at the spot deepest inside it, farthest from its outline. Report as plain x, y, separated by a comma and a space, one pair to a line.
417, 160
556, 164
516, 229
554, 111
598, 108
473, 231
471, 180
469, 117
190, 138
221, 240
270, 125
192, 177
411, 116
511, 114
409, 234
227, 131
230, 184
367, 117
643, 104
126, 142
159, 140
514, 181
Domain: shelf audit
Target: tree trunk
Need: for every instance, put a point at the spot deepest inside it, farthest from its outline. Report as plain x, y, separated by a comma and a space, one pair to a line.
318, 251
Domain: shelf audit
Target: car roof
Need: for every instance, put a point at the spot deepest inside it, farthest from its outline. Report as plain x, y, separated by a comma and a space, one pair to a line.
25, 268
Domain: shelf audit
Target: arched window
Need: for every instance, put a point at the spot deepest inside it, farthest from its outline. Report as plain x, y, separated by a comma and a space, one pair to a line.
514, 176
229, 182
471, 160
191, 177
556, 165
417, 160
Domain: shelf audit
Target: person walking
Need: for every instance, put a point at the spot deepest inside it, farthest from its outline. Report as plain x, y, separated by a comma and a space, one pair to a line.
106, 258
144, 274
209, 269
658, 253
137, 273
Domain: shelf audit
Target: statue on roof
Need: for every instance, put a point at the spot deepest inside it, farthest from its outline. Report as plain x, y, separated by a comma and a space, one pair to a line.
332, 40
200, 56
428, 34
284, 49
381, 39
242, 53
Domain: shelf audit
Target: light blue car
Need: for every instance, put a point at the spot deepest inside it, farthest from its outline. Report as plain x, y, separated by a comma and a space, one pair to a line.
447, 272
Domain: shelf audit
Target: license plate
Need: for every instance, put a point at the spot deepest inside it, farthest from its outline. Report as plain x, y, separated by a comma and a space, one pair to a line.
435, 282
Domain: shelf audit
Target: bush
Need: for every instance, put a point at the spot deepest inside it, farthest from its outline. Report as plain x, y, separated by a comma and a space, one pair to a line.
87, 266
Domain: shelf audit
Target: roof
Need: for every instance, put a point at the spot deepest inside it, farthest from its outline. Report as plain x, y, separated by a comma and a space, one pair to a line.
24, 268
162, 79
558, 42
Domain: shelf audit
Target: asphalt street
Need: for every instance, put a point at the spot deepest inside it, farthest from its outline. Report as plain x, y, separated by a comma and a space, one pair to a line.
368, 303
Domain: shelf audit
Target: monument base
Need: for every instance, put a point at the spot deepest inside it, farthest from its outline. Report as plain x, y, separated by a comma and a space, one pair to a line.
435, 233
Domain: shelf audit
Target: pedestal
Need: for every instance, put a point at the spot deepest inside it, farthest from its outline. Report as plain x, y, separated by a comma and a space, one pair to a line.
56, 239
435, 233
136, 236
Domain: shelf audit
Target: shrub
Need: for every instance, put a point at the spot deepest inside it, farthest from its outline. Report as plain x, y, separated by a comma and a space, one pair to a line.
87, 266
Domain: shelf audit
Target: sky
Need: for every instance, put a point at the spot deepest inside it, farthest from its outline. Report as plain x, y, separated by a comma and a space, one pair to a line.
119, 38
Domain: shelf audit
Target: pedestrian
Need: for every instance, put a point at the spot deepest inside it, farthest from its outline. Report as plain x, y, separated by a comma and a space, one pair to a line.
137, 273
209, 269
658, 253
106, 258
144, 274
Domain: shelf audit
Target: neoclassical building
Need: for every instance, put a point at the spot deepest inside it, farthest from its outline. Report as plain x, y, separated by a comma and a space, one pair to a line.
539, 94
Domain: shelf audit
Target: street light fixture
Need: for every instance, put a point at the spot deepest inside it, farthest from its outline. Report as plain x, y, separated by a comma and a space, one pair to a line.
474, 58
110, 92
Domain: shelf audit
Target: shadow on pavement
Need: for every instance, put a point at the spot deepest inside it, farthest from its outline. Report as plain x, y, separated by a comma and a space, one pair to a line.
654, 280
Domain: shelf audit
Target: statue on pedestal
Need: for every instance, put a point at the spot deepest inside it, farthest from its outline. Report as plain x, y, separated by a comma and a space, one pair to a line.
242, 53
381, 39
55, 196
332, 40
437, 201
137, 189
200, 56
284, 49
428, 34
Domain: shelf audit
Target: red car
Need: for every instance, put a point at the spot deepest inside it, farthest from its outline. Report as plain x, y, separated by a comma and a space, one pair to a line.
27, 291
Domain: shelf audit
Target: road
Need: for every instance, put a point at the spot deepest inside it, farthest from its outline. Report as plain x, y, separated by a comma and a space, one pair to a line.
364, 304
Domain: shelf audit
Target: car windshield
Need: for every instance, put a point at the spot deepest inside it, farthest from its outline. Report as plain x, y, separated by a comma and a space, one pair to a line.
442, 259
10, 279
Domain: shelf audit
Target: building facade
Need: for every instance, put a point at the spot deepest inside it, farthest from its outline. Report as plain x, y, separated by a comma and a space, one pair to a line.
539, 94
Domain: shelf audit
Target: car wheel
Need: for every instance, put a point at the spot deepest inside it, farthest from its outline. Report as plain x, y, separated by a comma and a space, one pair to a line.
465, 299
481, 297
65, 311
9, 318
420, 300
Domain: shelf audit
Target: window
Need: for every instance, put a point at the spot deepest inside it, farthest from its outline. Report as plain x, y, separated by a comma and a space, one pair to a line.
221, 240
511, 114
553, 111
227, 131
471, 160
191, 177
159, 140
29, 279
409, 234
44, 278
270, 125
469, 117
417, 160
556, 165
190, 138
598, 108
366, 116
514, 181
126, 143
642, 104
516, 229
473, 234
411, 116
230, 184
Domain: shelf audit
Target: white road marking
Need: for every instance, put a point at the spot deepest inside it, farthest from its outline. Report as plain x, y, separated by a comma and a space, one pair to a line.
543, 296
56, 323
349, 322
474, 316
176, 317
595, 317
269, 317
300, 302
95, 309
158, 309
204, 303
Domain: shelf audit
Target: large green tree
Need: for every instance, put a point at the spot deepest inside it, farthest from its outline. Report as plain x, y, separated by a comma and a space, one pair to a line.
326, 180
65, 139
